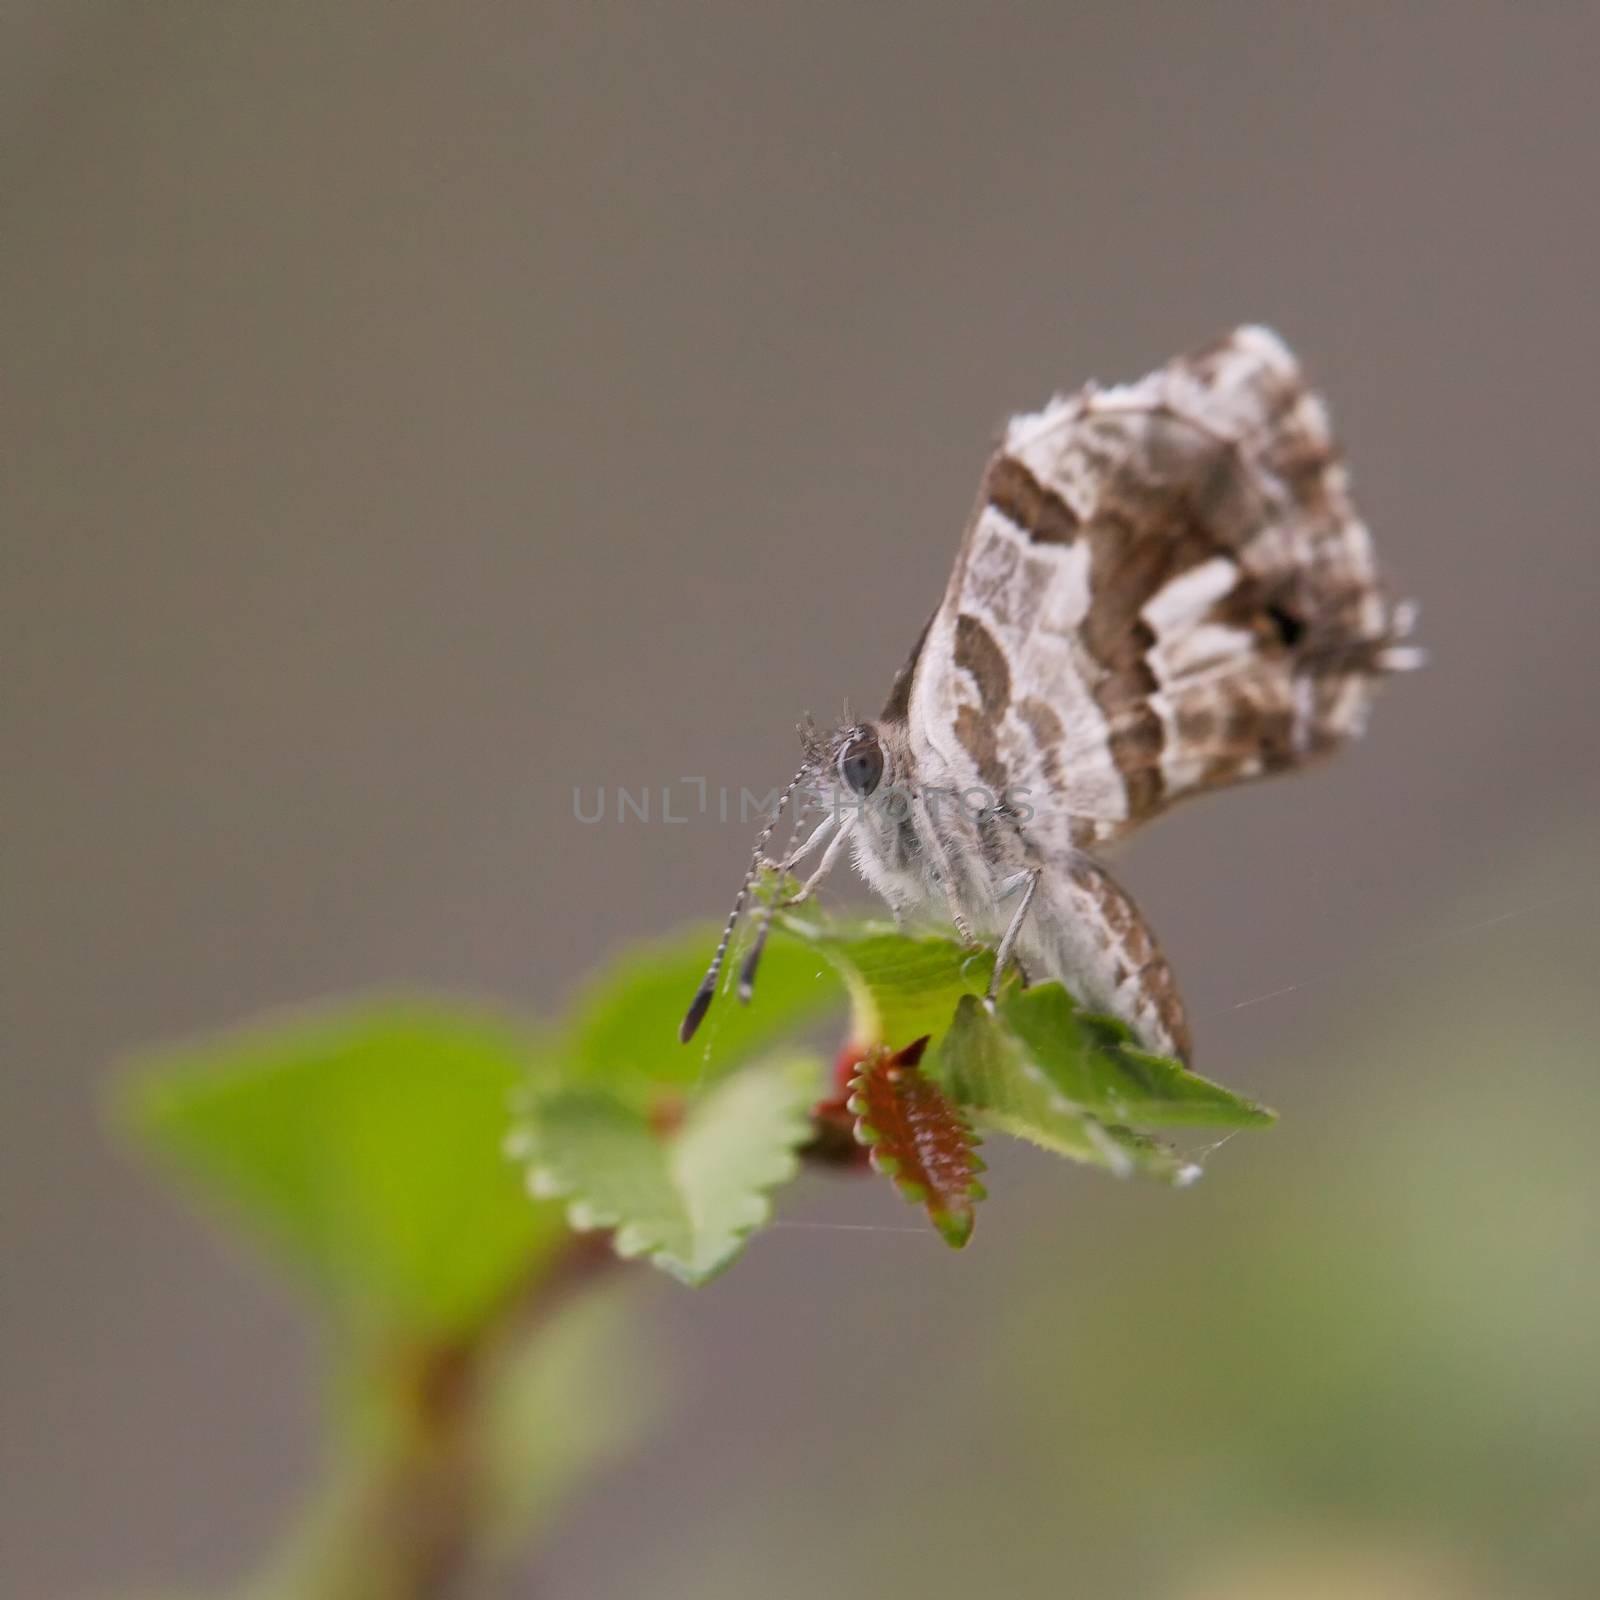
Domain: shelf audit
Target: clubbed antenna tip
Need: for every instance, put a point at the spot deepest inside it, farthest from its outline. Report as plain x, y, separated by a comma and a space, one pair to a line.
695, 1015
747, 971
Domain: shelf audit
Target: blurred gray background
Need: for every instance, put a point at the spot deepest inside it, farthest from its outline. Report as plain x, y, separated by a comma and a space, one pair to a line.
413, 412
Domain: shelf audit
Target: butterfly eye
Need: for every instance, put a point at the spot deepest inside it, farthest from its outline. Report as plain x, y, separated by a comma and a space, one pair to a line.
861, 765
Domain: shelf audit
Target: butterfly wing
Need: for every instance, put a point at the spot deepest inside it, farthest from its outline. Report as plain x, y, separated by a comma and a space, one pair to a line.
1164, 589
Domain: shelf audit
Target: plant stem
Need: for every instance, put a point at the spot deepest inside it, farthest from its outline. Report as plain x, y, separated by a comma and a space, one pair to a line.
407, 1507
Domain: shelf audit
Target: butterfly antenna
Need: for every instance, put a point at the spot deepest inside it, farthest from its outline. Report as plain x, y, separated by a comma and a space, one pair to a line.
747, 971
701, 1003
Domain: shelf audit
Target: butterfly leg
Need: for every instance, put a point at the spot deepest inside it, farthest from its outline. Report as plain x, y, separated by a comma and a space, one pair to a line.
940, 869
795, 857
1029, 884
824, 866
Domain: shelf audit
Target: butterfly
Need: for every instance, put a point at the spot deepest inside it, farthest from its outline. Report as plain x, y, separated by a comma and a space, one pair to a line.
1164, 589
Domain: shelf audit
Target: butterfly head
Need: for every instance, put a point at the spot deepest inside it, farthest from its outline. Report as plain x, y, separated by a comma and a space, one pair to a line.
861, 777
842, 769
851, 757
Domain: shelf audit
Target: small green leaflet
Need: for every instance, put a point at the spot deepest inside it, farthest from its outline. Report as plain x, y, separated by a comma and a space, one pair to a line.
901, 988
687, 1196
1094, 1063
1042, 1071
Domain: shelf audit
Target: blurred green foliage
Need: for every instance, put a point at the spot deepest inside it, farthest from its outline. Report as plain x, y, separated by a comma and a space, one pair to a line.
365, 1148
362, 1146
621, 1032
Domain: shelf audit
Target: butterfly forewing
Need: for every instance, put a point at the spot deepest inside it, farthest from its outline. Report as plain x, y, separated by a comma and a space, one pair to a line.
1164, 589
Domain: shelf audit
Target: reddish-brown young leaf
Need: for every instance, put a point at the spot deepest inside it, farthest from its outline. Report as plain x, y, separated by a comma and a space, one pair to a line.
919, 1138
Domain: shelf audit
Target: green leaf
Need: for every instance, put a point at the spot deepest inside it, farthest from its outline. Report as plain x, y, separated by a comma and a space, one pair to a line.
363, 1146
1041, 1070
1093, 1062
986, 1068
685, 1196
901, 988
624, 1030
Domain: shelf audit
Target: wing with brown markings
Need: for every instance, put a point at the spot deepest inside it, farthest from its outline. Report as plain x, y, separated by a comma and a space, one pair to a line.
1164, 589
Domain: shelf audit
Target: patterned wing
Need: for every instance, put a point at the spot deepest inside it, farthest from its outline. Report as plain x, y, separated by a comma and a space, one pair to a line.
1164, 589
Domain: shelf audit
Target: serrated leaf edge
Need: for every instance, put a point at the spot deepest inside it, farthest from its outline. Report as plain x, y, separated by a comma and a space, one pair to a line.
631, 1240
955, 1227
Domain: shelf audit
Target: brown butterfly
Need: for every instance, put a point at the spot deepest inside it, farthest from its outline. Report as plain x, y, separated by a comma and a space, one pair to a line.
1164, 589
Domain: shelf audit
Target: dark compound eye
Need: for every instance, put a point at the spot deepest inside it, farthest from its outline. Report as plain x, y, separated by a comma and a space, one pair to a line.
861, 765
